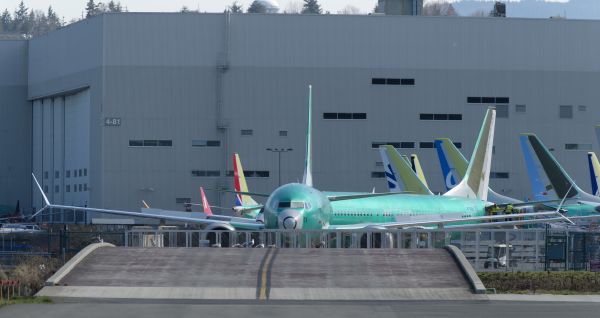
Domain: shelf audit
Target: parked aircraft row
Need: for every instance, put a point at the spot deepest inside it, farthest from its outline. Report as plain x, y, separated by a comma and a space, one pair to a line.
468, 202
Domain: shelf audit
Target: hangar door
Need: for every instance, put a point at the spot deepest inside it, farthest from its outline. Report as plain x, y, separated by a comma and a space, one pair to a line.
61, 153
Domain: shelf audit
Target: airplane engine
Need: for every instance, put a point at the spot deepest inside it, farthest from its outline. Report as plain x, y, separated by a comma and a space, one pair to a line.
222, 231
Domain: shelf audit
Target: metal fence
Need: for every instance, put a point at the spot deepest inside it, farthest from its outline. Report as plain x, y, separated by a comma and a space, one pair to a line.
487, 250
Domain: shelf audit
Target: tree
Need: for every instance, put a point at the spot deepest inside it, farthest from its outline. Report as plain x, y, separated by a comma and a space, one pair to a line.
91, 9
439, 9
114, 7
184, 9
235, 7
6, 21
479, 13
349, 10
256, 7
311, 7
53, 19
20, 16
293, 7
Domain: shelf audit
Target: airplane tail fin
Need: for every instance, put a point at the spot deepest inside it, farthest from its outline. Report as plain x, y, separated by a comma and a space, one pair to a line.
453, 163
399, 173
475, 183
538, 189
205, 205
594, 172
558, 177
416, 166
240, 184
307, 179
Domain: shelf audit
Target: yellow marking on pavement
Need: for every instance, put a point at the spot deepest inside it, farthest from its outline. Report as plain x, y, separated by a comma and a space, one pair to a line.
264, 272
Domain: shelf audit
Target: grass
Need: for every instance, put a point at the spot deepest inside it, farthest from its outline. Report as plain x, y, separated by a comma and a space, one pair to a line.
25, 300
558, 283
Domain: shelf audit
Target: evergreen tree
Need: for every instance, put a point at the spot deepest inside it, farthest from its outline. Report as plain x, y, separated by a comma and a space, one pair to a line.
235, 7
114, 7
311, 7
6, 21
185, 9
53, 19
20, 15
256, 7
91, 9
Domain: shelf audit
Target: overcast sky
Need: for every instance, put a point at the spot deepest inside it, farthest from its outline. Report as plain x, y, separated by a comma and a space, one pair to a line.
69, 9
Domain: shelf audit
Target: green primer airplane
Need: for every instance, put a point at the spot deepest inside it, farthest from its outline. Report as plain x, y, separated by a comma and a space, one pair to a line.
301, 206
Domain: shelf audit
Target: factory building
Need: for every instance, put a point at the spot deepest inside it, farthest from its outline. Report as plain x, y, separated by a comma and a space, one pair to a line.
121, 108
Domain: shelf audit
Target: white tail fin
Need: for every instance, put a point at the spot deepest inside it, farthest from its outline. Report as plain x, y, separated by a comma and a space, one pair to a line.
477, 178
307, 178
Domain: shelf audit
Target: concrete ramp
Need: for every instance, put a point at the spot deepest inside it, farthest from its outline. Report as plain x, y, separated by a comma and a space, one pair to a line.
264, 274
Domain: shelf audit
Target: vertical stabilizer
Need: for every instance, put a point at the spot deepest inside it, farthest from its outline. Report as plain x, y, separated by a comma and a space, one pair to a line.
399, 169
475, 183
307, 178
205, 205
594, 172
239, 181
560, 180
534, 172
394, 184
416, 166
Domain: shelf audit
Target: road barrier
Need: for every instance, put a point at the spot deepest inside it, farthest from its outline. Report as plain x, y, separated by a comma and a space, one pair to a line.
9, 289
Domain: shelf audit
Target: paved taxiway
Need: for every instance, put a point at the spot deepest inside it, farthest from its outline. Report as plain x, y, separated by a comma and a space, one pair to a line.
487, 309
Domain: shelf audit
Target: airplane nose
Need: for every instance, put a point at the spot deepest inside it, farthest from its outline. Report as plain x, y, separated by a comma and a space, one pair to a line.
290, 220
289, 223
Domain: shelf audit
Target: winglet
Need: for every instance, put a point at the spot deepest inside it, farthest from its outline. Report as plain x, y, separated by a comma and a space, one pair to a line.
475, 183
41, 191
307, 179
205, 205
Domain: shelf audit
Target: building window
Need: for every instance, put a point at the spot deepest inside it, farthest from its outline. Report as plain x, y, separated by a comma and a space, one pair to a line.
378, 81
80, 172
85, 172
454, 116
407, 81
426, 144
56, 174
487, 100
80, 187
56, 189
206, 173
68, 173
566, 111
426, 116
247, 132
206, 143
379, 164
407, 145
150, 143
582, 108
585, 147
45, 189
283, 133
499, 175
45, 174
501, 111
520, 108
68, 188
252, 173
345, 116
377, 174
440, 116
458, 144
392, 81
85, 188
183, 200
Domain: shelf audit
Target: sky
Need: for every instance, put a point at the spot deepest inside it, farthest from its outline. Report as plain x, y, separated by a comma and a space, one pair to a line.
69, 9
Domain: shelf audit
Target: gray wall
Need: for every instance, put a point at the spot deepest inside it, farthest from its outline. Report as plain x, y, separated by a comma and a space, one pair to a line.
15, 125
165, 76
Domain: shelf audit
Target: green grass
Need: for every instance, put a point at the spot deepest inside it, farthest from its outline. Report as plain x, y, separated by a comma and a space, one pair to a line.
26, 300
559, 283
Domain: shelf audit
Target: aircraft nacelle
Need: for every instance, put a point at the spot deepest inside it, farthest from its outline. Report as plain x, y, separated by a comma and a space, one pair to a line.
297, 207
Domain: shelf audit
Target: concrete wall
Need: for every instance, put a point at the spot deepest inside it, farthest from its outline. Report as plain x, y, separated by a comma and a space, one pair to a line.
181, 77
15, 126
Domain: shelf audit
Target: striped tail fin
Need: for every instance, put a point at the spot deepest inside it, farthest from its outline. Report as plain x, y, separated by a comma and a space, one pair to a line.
594, 172
416, 166
475, 183
453, 163
239, 181
205, 205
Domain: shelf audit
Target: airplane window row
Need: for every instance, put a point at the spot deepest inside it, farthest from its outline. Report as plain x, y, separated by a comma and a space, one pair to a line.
361, 214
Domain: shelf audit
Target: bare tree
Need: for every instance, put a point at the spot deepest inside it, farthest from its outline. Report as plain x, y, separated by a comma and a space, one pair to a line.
349, 9
479, 13
440, 8
293, 7
235, 7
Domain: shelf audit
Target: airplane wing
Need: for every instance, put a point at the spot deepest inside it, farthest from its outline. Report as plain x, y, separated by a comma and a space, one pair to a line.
532, 218
240, 223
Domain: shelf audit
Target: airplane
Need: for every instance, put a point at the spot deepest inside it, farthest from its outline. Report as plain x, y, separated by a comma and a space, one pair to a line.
400, 176
594, 166
296, 206
559, 183
454, 166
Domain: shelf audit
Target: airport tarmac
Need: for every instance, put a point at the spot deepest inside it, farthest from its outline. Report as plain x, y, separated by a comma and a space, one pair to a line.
265, 274
487, 309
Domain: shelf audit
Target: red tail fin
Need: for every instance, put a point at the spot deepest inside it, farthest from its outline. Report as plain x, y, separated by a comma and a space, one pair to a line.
205, 204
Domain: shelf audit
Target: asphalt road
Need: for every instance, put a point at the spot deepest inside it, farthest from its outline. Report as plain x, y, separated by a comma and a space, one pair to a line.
462, 309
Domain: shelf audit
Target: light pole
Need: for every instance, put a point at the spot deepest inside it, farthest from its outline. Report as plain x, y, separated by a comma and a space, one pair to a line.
279, 151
